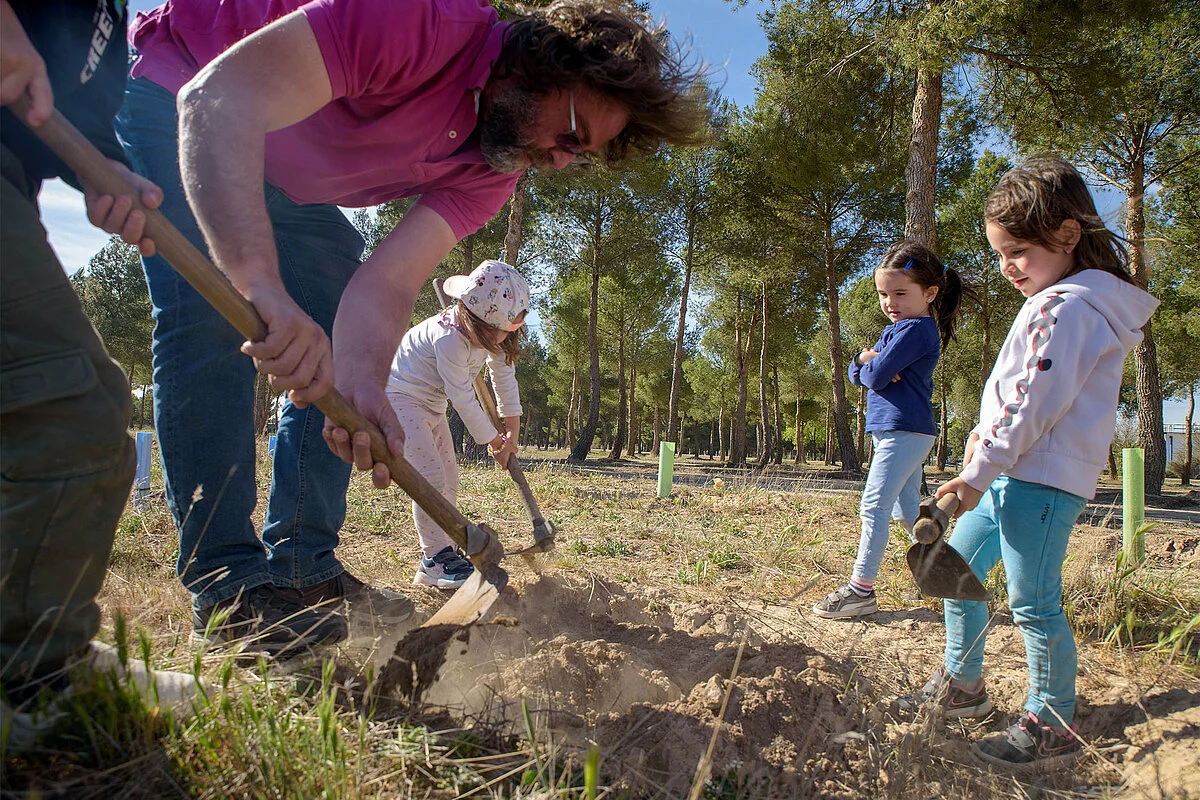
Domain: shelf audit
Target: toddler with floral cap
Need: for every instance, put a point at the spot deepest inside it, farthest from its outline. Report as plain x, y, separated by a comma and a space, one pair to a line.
437, 361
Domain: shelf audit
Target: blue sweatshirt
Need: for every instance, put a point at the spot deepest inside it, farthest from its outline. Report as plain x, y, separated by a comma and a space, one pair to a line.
908, 348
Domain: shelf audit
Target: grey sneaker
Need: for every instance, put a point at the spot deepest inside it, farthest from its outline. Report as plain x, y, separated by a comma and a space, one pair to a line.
269, 619
385, 606
845, 603
30, 712
942, 692
448, 569
1029, 745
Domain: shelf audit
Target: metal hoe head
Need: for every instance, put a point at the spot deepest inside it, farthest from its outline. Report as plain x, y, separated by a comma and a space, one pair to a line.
940, 571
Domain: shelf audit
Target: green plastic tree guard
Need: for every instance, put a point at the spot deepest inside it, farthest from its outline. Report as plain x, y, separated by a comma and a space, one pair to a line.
666, 468
1133, 504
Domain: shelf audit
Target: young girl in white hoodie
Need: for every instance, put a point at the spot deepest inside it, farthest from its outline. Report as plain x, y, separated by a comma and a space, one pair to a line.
437, 360
1031, 464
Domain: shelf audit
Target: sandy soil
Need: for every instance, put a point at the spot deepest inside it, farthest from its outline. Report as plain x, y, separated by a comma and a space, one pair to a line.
609, 644
644, 673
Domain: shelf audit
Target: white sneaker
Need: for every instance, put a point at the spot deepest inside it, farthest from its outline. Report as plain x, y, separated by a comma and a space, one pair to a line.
23, 725
448, 569
845, 603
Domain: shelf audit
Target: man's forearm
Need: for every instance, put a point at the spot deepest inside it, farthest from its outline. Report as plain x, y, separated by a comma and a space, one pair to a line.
371, 320
274, 78
377, 305
221, 156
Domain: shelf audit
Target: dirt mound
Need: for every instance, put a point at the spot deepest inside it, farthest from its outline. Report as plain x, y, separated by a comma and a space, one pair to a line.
1164, 758
643, 673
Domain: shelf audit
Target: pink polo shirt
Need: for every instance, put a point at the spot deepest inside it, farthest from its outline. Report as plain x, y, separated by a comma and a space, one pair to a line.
404, 76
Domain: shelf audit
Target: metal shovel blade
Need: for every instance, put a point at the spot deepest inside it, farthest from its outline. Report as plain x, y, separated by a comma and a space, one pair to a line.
940, 571
468, 604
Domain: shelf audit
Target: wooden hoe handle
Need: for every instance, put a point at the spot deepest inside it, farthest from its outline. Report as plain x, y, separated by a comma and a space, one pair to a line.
933, 520
98, 172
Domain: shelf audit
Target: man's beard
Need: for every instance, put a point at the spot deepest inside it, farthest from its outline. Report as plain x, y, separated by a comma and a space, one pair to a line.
503, 121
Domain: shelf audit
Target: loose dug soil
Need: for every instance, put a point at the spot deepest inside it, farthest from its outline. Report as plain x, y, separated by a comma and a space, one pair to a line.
642, 673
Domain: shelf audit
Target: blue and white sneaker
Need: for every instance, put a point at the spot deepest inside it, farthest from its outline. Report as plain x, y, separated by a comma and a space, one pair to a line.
448, 569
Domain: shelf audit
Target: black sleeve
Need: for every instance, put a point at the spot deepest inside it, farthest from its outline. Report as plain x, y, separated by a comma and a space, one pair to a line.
83, 45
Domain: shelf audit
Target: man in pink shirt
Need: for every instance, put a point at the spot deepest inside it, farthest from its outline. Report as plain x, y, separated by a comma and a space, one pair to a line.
286, 110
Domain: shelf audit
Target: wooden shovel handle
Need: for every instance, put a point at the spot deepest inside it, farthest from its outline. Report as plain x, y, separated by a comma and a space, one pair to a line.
933, 520
98, 172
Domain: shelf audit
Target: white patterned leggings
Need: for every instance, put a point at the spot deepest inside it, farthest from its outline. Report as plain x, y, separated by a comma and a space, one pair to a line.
429, 448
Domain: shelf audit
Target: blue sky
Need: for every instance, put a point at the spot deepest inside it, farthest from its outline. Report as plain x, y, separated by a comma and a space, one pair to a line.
728, 39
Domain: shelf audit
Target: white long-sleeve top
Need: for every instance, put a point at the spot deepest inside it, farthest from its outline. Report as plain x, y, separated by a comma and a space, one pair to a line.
1050, 404
436, 362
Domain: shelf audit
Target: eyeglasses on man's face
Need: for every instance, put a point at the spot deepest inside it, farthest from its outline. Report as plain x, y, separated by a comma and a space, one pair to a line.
570, 142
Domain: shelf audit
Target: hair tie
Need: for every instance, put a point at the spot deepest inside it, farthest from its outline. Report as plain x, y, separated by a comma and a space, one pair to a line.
945, 267
908, 264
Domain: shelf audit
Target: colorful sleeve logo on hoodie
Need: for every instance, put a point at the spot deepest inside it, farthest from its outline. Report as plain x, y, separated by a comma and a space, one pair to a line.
1040, 331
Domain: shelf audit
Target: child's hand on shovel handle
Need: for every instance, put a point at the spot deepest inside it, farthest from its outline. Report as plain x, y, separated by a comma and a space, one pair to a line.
968, 495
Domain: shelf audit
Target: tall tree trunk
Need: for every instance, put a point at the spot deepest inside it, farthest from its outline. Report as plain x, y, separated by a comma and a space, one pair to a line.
778, 418
841, 419
631, 442
1145, 355
765, 438
579, 453
737, 451
943, 451
573, 409
799, 433
1185, 474
618, 440
920, 173
724, 441
677, 361
657, 429
516, 211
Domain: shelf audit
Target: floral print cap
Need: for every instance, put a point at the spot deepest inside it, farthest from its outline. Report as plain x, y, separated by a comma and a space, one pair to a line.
494, 291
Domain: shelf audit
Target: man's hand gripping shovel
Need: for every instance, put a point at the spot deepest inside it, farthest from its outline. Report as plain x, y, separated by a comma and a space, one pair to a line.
481, 543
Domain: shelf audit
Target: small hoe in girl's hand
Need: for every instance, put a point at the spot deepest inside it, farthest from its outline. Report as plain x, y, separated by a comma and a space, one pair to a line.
937, 567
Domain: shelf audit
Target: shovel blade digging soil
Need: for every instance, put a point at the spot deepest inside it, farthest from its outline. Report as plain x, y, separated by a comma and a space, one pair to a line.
939, 569
480, 542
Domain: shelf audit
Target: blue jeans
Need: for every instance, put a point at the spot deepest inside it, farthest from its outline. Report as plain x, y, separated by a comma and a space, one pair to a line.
1026, 525
893, 490
204, 390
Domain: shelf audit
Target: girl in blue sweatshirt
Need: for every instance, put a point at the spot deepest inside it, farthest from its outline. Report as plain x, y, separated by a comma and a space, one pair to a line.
921, 297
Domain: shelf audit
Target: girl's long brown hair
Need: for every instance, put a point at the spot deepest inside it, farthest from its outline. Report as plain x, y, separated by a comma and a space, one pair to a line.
477, 329
1033, 200
926, 269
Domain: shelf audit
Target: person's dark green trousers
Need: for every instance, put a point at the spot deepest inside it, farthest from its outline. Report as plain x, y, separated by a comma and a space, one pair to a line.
66, 457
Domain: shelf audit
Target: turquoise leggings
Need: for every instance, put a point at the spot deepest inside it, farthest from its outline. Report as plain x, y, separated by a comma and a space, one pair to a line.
1025, 525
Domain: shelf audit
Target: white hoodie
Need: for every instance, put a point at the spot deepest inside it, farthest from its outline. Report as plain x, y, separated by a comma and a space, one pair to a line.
1050, 405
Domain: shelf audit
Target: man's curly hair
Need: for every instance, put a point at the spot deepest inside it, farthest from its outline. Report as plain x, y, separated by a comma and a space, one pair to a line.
602, 45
